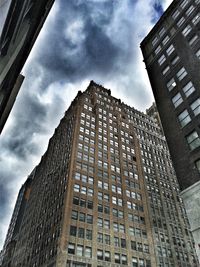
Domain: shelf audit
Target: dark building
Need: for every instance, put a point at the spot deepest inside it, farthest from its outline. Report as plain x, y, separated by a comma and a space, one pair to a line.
172, 56
22, 22
15, 222
104, 193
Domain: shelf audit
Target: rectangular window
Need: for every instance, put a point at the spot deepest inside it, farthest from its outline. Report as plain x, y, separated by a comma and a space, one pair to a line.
79, 250
175, 14
124, 259
162, 32
186, 30
180, 21
73, 230
171, 84
100, 254
188, 89
88, 234
181, 73
107, 256
197, 163
166, 70
195, 106
161, 60
175, 60
177, 100
189, 10
170, 50
134, 262
158, 49
184, 3
196, 19
165, 40
198, 54
117, 258
184, 118
88, 252
193, 39
193, 140
74, 215
71, 248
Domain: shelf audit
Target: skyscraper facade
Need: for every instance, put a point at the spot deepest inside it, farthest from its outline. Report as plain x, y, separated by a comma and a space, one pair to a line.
20, 24
105, 193
172, 57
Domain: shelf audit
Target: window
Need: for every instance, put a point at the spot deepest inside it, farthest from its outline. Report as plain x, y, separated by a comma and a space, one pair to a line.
188, 89
190, 10
141, 263
107, 256
180, 21
88, 234
165, 40
161, 60
123, 243
197, 163
117, 258
170, 50
154, 41
193, 39
166, 70
181, 73
100, 237
175, 60
124, 259
162, 32
175, 14
158, 49
177, 100
184, 4
79, 250
186, 30
171, 84
195, 106
134, 262
193, 140
71, 248
100, 254
196, 19
88, 252
107, 239
73, 230
76, 187
81, 233
198, 54
89, 218
184, 118
74, 215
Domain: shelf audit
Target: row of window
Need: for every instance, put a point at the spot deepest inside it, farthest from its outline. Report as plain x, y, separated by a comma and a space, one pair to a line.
80, 250
80, 232
82, 217
83, 190
184, 117
188, 89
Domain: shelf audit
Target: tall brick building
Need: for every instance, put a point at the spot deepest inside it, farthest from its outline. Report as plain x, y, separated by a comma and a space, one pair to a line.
172, 57
104, 193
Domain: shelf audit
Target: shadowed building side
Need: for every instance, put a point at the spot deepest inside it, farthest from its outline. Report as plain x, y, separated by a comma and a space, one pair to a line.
21, 28
172, 56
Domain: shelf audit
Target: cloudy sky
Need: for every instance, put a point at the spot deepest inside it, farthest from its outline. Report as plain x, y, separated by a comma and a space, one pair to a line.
82, 40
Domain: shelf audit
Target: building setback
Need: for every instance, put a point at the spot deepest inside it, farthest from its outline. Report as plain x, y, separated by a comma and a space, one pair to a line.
105, 193
18, 33
172, 56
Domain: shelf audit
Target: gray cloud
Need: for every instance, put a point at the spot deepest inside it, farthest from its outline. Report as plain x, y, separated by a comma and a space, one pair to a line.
81, 40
